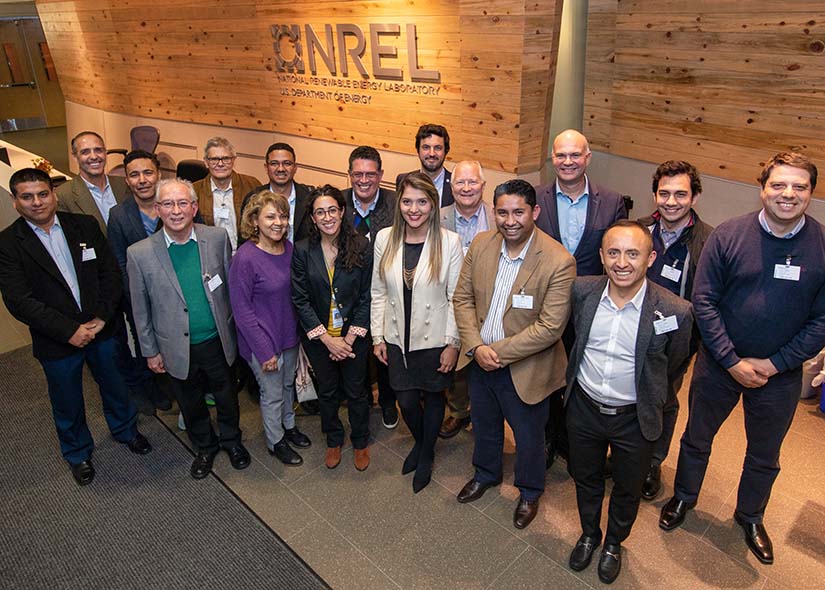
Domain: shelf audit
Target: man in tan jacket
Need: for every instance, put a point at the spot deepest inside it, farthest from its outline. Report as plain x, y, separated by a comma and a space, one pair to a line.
512, 303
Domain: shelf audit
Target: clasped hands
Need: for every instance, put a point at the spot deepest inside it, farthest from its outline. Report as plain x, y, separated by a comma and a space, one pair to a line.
752, 372
85, 333
339, 347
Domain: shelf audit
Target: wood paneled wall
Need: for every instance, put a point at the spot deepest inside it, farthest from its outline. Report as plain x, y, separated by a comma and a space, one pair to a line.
213, 62
722, 83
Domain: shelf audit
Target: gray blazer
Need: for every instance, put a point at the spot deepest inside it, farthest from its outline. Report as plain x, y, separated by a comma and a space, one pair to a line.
659, 357
158, 304
448, 216
74, 197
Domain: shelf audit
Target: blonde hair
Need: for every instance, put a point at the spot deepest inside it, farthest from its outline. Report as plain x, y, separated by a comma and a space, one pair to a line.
422, 182
248, 227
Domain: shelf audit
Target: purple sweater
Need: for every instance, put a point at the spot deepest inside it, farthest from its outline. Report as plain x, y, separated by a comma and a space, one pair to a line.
261, 296
743, 311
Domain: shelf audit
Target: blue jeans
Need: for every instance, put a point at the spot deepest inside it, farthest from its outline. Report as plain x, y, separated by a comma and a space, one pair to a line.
65, 382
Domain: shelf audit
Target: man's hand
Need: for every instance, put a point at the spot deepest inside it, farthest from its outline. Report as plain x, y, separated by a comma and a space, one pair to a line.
156, 363
271, 365
95, 325
748, 375
82, 336
763, 366
486, 358
449, 357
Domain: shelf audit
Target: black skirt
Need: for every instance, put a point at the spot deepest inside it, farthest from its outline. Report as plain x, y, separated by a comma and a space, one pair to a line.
420, 371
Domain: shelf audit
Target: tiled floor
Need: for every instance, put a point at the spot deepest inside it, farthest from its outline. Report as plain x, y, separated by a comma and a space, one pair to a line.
369, 531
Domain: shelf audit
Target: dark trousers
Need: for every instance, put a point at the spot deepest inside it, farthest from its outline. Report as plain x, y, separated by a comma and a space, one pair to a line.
423, 413
136, 373
670, 413
590, 433
555, 432
208, 367
494, 399
386, 394
336, 379
65, 383
769, 411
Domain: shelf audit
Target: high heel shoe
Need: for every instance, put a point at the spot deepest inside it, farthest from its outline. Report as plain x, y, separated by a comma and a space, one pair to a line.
411, 462
423, 474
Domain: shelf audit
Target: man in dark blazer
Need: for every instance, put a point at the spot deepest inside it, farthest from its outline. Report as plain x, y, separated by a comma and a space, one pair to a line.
281, 165
432, 144
91, 192
371, 208
576, 212
632, 338
58, 276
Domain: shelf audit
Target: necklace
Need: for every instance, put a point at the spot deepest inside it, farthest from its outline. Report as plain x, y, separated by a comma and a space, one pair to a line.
409, 275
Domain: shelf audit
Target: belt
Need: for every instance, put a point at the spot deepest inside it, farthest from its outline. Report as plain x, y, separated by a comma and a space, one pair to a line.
603, 409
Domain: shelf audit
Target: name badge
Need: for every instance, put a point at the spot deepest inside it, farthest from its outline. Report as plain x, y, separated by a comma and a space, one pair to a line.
337, 320
222, 213
673, 274
665, 325
786, 272
214, 283
88, 254
522, 301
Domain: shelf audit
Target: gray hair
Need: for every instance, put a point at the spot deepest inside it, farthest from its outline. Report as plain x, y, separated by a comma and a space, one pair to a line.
475, 163
180, 181
213, 142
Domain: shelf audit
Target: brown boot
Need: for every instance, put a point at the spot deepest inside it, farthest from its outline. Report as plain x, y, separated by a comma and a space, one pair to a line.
362, 458
333, 457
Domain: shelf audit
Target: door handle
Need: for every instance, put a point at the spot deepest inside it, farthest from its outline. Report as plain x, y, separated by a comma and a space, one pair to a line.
31, 84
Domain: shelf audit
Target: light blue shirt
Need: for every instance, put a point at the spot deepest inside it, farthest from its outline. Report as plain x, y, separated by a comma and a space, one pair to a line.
149, 224
468, 228
370, 208
572, 216
764, 223
104, 199
58, 248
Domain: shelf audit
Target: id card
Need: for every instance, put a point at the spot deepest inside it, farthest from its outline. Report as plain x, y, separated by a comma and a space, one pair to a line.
214, 283
665, 325
786, 272
337, 320
88, 254
673, 274
522, 301
222, 213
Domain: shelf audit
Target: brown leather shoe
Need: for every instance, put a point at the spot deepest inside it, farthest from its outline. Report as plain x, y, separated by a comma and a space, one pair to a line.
361, 458
525, 512
452, 426
333, 457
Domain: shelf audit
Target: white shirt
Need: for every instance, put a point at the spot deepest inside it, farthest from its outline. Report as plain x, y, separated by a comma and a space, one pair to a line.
223, 212
104, 199
493, 328
170, 241
292, 198
438, 181
607, 372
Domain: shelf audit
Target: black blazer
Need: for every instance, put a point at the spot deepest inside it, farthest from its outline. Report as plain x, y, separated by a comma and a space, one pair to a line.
659, 357
380, 217
311, 289
446, 193
37, 294
604, 208
301, 222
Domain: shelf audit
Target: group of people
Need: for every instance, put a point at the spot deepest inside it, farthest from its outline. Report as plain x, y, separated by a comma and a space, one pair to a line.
542, 307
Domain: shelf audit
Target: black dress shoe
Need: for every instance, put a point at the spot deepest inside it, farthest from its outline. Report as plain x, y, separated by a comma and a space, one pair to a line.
202, 464
139, 445
583, 552
653, 483
411, 462
284, 453
610, 563
525, 512
673, 513
83, 472
473, 490
297, 438
423, 474
239, 456
757, 539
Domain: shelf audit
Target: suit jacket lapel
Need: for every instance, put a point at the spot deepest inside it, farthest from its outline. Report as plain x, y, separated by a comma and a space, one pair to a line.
593, 203
35, 248
316, 258
423, 266
162, 254
135, 218
553, 214
300, 208
85, 201
586, 316
645, 333
489, 269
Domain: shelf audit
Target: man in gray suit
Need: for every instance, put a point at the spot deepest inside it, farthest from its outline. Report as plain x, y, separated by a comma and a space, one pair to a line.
632, 337
180, 301
468, 216
92, 192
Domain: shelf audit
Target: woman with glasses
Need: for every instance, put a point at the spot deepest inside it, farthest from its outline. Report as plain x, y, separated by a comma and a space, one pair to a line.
331, 273
260, 290
417, 264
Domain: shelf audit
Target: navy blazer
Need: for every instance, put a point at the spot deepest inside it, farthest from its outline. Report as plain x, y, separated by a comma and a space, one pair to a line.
604, 208
659, 357
446, 192
36, 293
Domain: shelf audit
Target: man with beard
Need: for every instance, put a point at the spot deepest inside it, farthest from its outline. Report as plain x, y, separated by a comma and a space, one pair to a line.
432, 144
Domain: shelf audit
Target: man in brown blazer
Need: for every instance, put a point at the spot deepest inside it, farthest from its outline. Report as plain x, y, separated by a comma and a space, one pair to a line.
512, 303
221, 193
91, 192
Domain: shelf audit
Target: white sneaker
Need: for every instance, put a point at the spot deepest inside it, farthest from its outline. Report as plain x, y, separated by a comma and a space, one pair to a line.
181, 423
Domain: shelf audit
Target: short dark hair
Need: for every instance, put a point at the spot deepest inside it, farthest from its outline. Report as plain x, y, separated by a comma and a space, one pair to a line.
141, 155
28, 175
793, 159
518, 187
365, 152
279, 146
81, 134
429, 129
675, 168
633, 224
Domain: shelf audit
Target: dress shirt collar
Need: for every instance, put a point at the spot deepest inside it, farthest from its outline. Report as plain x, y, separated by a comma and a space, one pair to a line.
521, 254
39, 230
219, 189
370, 208
636, 301
764, 223
170, 241
291, 197
475, 215
586, 192
94, 188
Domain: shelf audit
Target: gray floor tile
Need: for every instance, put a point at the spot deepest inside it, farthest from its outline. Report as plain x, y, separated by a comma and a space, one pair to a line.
534, 571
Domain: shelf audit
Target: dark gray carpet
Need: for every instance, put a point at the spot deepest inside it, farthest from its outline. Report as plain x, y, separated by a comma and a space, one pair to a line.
143, 523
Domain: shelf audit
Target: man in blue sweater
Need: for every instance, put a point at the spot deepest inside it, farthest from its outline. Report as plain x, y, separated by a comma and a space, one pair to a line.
759, 301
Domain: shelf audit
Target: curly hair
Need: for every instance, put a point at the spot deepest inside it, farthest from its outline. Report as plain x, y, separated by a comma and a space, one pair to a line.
249, 229
352, 247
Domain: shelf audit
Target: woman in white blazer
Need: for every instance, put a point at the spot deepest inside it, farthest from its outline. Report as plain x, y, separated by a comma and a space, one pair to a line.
416, 268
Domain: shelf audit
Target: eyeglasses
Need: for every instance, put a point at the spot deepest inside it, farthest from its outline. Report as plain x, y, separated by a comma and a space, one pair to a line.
169, 205
331, 212
363, 175
223, 160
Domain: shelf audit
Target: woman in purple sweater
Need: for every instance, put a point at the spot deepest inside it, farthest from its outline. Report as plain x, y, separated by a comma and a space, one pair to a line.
261, 297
